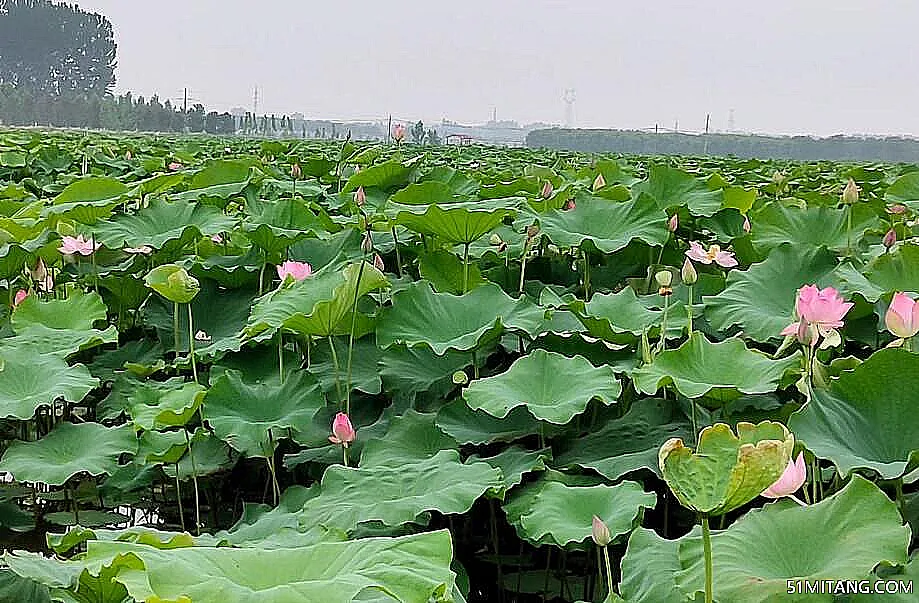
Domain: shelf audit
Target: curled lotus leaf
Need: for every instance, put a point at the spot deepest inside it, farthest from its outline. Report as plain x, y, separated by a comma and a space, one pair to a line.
726, 471
173, 282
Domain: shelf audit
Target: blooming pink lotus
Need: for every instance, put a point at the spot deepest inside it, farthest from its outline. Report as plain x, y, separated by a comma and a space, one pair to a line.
824, 308
698, 253
570, 204
398, 132
902, 318
142, 250
20, 297
217, 239
77, 245
296, 270
896, 209
175, 166
792, 479
342, 431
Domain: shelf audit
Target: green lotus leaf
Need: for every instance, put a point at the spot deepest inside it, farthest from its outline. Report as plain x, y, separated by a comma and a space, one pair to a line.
649, 568
170, 404
761, 299
161, 222
67, 450
908, 574
173, 282
456, 222
418, 316
410, 437
551, 386
672, 187
365, 371
469, 426
16, 588
316, 306
514, 462
409, 569
725, 369
211, 456
90, 189
446, 272
905, 190
80, 311
29, 381
408, 371
279, 527
608, 225
400, 494
244, 414
388, 175
726, 471
152, 537
897, 271
628, 443
620, 317
819, 226
866, 419
220, 179
841, 538
551, 512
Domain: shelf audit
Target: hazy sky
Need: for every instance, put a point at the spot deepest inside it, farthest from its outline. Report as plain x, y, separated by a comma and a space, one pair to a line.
789, 66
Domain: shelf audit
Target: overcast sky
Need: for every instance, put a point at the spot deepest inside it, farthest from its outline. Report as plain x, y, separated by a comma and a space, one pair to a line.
783, 66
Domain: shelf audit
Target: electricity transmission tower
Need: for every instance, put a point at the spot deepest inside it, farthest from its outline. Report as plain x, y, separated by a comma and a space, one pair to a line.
569, 98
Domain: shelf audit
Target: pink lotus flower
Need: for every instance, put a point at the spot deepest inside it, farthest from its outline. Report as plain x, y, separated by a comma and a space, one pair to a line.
378, 263
600, 532
175, 166
398, 132
902, 318
20, 297
342, 431
360, 197
822, 308
77, 245
217, 239
698, 253
792, 479
296, 172
570, 204
142, 250
673, 223
890, 239
296, 270
746, 225
896, 209
547, 189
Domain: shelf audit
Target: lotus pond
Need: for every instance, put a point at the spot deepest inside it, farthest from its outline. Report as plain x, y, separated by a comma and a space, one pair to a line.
325, 371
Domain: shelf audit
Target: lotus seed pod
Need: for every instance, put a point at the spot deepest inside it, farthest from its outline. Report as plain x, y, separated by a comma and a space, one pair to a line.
664, 278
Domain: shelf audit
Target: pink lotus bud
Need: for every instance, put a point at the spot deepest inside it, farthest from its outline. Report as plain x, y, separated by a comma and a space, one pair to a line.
890, 238
360, 197
896, 209
850, 193
378, 263
688, 273
547, 189
342, 431
295, 172
398, 132
367, 242
902, 318
600, 532
127, 155
807, 333
792, 479
746, 224
20, 297
298, 271
599, 182
175, 166
570, 204
673, 223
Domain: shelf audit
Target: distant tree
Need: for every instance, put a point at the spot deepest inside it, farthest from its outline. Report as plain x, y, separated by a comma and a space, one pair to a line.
55, 49
196, 118
418, 133
432, 137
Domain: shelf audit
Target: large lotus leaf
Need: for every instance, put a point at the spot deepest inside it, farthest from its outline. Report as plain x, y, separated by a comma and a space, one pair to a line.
699, 368
80, 311
211, 456
409, 569
446, 272
365, 372
469, 426
88, 199
30, 380
761, 299
551, 386
160, 222
244, 414
649, 568
617, 317
169, 404
410, 437
818, 226
451, 322
388, 175
279, 527
457, 222
395, 495
221, 314
897, 271
68, 450
13, 587
908, 575
173, 282
867, 418
152, 537
905, 190
551, 512
315, 306
220, 179
726, 471
840, 538
629, 443
514, 462
609, 225
39, 339
672, 187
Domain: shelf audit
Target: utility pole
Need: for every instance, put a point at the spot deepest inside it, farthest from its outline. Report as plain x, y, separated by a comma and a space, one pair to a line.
185, 110
389, 131
255, 102
708, 121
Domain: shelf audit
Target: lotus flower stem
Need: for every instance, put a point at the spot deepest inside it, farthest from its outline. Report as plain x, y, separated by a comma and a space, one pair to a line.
194, 477
849, 231
261, 276
523, 265
586, 274
92, 257
357, 294
395, 241
707, 551
281, 356
344, 451
179, 498
465, 267
609, 574
689, 311
269, 458
75, 505
815, 474
797, 500
337, 370
545, 586
662, 344
695, 428
175, 328
191, 344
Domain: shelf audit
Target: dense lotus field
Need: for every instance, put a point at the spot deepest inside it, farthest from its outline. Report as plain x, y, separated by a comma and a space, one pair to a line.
240, 371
